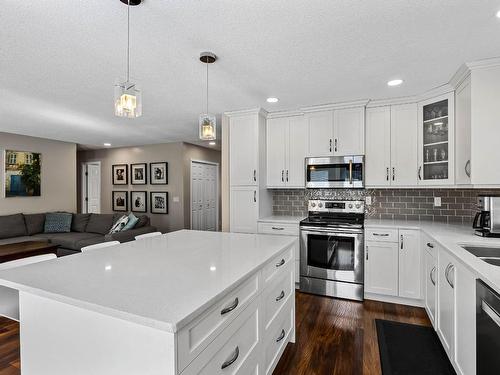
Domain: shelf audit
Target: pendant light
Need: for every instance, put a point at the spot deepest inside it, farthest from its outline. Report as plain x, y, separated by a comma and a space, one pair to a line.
207, 122
128, 99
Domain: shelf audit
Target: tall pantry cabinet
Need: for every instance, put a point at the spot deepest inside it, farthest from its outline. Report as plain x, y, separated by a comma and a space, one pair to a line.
248, 196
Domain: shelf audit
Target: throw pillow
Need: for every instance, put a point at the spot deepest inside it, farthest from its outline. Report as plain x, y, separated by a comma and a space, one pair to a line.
132, 220
35, 223
58, 222
119, 225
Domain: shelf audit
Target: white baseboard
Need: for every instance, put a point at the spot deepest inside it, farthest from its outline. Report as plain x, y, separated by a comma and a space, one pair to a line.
392, 299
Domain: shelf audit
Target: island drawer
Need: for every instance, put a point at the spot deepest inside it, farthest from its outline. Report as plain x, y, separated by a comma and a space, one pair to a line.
277, 264
279, 229
277, 294
235, 350
381, 235
196, 336
277, 336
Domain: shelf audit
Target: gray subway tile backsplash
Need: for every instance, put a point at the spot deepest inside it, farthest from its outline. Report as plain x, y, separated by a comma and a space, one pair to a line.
457, 205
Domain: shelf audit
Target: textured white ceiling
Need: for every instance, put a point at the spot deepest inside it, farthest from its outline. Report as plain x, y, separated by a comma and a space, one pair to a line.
59, 59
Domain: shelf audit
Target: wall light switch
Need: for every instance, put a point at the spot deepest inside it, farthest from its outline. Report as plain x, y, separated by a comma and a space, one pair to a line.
176, 199
437, 201
368, 200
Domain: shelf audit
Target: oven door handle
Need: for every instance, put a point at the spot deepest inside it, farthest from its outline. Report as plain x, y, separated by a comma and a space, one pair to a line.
350, 171
488, 310
329, 232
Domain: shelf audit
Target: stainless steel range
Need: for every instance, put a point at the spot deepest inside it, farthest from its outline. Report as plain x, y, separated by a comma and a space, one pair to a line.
332, 248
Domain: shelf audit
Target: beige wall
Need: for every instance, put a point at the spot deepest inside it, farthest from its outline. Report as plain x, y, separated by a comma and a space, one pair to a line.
178, 156
58, 186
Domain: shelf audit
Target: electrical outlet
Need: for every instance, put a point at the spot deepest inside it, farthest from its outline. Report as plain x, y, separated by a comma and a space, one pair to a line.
368, 200
437, 201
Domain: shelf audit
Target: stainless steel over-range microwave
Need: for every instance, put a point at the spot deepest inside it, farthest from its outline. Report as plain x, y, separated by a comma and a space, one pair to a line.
335, 172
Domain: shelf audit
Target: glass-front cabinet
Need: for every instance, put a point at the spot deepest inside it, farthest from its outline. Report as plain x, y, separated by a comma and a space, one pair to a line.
436, 141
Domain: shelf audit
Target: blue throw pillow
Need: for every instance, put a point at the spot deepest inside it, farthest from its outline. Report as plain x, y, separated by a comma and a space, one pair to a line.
132, 220
58, 222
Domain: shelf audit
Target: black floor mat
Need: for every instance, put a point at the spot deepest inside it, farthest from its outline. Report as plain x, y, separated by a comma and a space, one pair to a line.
408, 349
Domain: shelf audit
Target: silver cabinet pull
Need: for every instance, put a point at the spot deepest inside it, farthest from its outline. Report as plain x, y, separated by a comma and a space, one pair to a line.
336, 142
277, 228
387, 174
231, 360
281, 296
281, 336
402, 242
431, 275
282, 176
430, 245
447, 274
255, 196
330, 145
230, 308
419, 170
393, 173
255, 175
467, 168
490, 312
287, 175
280, 263
381, 234
366, 253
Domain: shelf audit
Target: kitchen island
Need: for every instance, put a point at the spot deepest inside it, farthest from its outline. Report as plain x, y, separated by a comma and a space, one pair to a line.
187, 302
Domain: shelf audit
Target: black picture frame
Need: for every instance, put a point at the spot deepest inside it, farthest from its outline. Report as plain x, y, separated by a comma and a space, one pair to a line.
133, 206
153, 174
118, 179
154, 209
114, 199
133, 180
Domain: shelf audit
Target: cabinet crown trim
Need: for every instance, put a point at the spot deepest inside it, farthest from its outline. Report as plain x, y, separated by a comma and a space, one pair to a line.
245, 112
332, 106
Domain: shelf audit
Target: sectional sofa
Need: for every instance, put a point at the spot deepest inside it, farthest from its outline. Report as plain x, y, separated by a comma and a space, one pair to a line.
86, 229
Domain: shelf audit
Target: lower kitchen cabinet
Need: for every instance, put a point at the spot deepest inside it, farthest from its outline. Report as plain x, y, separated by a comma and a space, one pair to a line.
409, 263
430, 277
446, 300
381, 268
244, 209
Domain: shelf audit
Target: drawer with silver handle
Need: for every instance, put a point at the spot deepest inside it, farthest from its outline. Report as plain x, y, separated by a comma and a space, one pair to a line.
277, 265
276, 294
235, 350
284, 229
381, 235
196, 336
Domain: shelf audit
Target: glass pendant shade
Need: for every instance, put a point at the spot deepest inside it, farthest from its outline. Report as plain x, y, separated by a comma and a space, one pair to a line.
128, 100
208, 127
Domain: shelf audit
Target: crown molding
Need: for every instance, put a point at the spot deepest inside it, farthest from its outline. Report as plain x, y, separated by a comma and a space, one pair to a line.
279, 114
245, 112
332, 106
484, 63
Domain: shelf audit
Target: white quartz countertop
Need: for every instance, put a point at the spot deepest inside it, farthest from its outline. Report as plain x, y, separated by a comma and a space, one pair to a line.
162, 282
282, 219
452, 237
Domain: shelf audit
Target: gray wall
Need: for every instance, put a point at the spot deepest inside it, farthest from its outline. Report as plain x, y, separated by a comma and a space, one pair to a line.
178, 155
58, 183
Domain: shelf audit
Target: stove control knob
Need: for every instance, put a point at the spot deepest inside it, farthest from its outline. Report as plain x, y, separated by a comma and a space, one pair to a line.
350, 205
313, 204
358, 206
320, 205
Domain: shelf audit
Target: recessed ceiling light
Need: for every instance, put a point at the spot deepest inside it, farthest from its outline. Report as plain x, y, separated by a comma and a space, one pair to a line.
212, 143
272, 100
395, 82
107, 144
498, 14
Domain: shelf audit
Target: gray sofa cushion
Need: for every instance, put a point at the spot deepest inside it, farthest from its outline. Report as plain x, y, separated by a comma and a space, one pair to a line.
79, 223
72, 240
35, 223
143, 221
99, 223
12, 226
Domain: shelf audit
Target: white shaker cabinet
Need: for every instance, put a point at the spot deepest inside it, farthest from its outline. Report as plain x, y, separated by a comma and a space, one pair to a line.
336, 132
244, 150
409, 263
391, 145
430, 278
381, 268
463, 133
446, 300
286, 139
244, 209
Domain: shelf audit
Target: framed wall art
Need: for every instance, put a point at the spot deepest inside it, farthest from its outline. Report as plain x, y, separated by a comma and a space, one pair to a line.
158, 173
120, 201
120, 174
139, 201
159, 202
138, 174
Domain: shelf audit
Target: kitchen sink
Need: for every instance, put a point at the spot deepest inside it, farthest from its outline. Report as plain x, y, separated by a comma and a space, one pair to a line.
489, 255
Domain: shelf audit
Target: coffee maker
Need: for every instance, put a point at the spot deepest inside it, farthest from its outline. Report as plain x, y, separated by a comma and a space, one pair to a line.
487, 219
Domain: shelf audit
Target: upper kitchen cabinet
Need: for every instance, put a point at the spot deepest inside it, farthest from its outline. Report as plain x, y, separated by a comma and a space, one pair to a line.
246, 135
391, 146
287, 139
463, 133
436, 141
336, 132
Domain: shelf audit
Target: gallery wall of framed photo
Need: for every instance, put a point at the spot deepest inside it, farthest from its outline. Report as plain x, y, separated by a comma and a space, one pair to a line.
135, 175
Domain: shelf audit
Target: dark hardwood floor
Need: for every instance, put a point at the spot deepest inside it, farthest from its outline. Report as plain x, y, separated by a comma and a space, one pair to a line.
333, 337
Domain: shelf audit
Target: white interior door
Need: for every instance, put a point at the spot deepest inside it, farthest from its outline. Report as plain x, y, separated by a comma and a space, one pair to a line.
204, 196
91, 188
